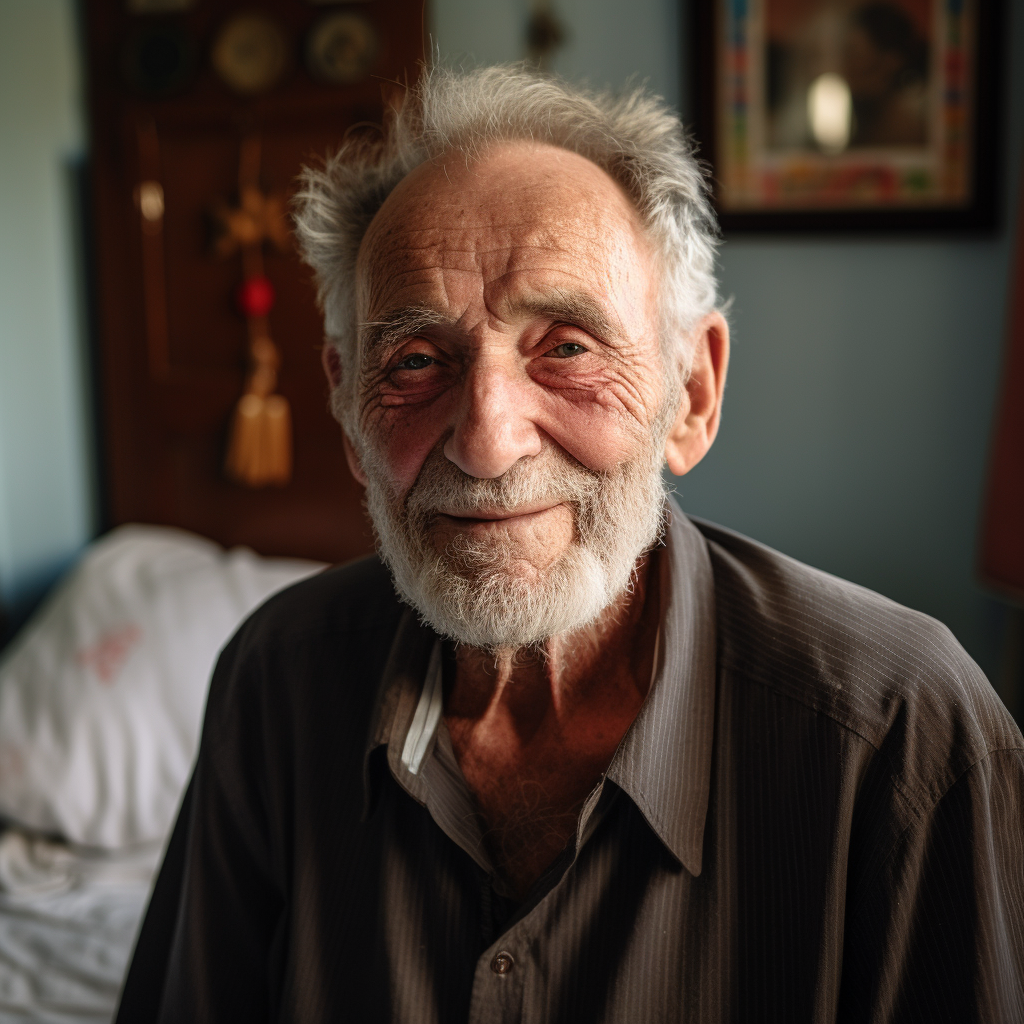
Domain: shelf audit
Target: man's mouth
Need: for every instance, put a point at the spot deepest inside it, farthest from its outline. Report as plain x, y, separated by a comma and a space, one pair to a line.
483, 516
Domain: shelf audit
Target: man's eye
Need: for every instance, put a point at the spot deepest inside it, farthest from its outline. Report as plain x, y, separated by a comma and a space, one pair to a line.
566, 350
417, 361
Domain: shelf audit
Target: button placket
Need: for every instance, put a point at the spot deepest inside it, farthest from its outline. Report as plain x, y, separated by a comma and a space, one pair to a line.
506, 974
498, 983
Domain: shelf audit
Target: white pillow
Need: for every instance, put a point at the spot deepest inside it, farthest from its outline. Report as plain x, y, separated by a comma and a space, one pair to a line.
102, 694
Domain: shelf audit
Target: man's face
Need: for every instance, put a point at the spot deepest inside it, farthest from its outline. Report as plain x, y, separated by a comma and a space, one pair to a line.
511, 377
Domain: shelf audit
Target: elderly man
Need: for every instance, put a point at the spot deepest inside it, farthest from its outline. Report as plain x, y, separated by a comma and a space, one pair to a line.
562, 754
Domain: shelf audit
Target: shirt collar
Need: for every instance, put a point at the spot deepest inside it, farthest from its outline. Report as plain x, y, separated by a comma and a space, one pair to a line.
418, 751
400, 693
664, 760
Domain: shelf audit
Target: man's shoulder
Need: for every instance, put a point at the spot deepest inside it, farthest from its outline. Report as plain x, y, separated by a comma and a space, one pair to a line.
345, 599
894, 676
337, 625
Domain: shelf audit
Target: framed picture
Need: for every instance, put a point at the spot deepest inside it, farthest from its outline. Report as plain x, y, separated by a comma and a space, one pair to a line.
850, 114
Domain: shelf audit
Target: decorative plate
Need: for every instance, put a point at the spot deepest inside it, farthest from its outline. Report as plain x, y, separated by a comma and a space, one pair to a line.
158, 60
341, 48
250, 53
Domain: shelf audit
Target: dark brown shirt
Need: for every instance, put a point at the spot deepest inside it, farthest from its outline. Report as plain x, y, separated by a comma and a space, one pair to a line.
816, 816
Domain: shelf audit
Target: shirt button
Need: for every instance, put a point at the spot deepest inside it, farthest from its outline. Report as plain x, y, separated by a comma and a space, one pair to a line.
502, 963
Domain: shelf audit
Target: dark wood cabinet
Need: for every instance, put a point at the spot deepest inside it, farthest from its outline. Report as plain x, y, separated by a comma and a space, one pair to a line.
172, 345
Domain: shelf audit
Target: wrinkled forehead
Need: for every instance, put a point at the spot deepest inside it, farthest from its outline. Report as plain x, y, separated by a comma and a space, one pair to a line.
514, 207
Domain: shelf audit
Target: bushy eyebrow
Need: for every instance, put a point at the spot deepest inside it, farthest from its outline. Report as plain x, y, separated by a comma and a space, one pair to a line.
567, 307
577, 308
394, 327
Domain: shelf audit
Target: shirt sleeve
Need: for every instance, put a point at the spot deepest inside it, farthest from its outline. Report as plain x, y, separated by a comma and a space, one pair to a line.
938, 934
205, 951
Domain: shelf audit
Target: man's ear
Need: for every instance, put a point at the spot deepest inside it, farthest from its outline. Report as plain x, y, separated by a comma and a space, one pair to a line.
332, 367
331, 362
354, 465
700, 407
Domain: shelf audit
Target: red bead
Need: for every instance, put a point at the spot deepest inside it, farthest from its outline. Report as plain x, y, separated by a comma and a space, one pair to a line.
255, 296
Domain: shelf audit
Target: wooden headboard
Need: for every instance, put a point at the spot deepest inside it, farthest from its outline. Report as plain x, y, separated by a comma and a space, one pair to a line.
172, 343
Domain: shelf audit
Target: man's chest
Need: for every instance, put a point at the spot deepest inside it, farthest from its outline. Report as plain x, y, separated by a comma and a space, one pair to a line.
528, 796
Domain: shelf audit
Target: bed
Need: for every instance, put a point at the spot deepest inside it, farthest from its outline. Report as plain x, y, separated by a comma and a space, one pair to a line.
68, 920
101, 700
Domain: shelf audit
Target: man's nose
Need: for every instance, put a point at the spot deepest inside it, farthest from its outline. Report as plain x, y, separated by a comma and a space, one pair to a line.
493, 427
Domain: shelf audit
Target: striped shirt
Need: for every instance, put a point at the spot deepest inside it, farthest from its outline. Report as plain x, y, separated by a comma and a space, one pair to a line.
817, 815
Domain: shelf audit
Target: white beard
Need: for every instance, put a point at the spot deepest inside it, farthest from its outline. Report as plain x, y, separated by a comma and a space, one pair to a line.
475, 591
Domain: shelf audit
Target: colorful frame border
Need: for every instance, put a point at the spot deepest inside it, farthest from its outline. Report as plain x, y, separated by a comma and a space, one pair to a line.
966, 156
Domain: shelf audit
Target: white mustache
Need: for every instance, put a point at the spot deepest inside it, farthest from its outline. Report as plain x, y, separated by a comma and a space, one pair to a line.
551, 478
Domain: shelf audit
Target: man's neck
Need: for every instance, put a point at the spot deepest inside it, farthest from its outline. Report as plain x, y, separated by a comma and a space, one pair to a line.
535, 728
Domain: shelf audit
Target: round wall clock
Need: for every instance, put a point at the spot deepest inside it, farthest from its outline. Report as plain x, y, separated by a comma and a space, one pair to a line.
250, 53
341, 48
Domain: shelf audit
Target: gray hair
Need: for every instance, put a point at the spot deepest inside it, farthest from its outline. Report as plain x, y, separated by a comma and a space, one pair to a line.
635, 138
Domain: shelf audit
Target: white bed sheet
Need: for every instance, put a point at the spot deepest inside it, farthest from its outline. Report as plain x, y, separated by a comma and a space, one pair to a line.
68, 922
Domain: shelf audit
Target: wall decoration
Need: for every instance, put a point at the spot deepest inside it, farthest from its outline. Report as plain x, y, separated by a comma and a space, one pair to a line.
251, 54
545, 33
341, 48
150, 203
260, 445
158, 61
850, 113
1001, 552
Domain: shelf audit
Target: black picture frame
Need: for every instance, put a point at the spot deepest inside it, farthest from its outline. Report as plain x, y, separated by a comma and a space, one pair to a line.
979, 212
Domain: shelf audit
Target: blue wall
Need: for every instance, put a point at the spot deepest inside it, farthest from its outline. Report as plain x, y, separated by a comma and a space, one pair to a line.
864, 371
858, 414
45, 444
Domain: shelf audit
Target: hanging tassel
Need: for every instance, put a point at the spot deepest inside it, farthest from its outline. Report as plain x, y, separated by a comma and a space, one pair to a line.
260, 446
260, 451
